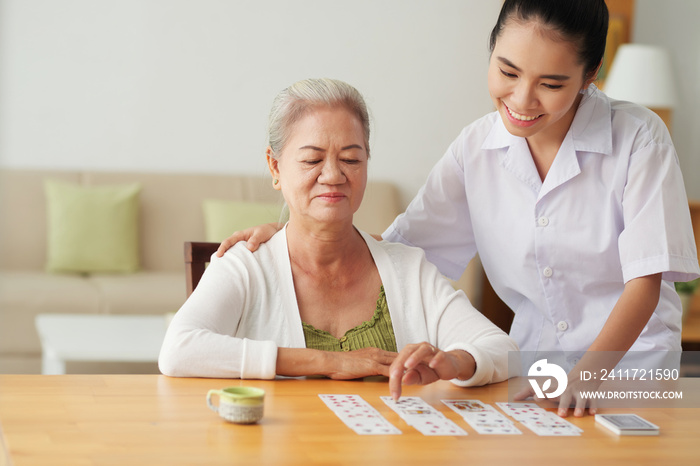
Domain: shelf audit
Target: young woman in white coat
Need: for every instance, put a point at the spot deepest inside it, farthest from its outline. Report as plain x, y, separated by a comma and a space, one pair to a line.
574, 202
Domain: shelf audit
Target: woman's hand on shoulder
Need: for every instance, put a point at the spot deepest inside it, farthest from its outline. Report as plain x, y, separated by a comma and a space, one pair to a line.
254, 236
423, 363
364, 362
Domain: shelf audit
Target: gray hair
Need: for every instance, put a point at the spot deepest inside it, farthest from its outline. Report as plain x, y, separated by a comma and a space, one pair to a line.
297, 100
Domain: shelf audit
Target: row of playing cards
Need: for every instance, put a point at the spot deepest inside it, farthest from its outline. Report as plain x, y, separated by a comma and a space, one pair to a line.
539, 420
423, 417
359, 415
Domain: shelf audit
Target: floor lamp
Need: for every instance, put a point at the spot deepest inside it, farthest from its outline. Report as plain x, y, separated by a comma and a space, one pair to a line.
643, 74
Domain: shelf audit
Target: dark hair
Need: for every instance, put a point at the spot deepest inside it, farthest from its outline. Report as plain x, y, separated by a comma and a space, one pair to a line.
583, 22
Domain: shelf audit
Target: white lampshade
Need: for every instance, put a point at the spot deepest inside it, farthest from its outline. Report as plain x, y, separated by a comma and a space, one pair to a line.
642, 74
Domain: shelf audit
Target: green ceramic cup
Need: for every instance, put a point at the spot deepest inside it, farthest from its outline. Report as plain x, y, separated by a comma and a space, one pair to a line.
240, 405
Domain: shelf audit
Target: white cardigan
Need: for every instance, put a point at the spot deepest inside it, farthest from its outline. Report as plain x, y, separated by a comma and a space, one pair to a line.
245, 307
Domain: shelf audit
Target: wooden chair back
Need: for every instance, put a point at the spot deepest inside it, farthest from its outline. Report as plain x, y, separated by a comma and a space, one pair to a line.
197, 255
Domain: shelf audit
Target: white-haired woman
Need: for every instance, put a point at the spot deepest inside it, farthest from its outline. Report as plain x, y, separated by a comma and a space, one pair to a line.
322, 298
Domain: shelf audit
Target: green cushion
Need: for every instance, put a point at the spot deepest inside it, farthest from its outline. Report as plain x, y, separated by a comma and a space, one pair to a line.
92, 228
222, 218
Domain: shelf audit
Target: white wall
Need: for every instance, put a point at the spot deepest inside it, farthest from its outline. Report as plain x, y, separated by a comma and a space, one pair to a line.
674, 25
185, 85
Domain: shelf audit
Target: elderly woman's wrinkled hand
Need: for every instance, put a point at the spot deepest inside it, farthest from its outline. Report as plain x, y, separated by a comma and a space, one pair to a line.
423, 363
365, 362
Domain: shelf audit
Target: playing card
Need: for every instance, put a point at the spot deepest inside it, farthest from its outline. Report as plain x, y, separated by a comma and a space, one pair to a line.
529, 415
359, 415
552, 425
406, 403
486, 417
539, 420
482, 417
382, 427
345, 402
491, 422
520, 411
468, 406
557, 423
439, 427
409, 405
494, 428
422, 416
552, 430
554, 419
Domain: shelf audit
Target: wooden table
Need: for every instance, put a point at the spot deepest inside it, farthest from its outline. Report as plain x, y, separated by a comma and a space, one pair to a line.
151, 419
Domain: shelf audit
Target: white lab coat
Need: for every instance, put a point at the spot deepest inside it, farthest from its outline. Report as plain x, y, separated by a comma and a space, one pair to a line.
611, 208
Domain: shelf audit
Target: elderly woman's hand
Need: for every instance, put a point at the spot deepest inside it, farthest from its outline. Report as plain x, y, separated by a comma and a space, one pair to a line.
360, 363
423, 363
254, 236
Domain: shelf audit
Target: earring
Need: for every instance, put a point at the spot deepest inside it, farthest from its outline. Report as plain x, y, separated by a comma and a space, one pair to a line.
275, 182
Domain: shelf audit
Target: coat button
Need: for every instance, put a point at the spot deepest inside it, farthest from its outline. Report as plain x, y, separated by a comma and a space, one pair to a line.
547, 272
562, 325
543, 221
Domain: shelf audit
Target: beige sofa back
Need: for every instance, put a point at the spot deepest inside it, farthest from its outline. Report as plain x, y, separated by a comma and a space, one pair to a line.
23, 217
170, 211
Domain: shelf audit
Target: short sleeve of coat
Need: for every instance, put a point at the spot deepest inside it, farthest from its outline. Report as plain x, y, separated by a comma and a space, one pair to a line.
657, 235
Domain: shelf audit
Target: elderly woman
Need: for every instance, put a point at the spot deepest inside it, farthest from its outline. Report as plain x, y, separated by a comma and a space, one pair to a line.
321, 297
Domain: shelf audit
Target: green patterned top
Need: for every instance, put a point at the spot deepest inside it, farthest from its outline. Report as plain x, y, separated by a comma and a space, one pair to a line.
376, 332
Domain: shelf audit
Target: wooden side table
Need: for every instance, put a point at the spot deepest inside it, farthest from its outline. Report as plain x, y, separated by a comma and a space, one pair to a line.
102, 338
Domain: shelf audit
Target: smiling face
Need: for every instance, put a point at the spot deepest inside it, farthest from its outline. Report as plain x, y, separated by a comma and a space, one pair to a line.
534, 80
322, 169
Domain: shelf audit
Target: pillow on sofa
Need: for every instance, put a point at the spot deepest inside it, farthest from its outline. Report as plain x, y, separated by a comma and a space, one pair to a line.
92, 228
222, 218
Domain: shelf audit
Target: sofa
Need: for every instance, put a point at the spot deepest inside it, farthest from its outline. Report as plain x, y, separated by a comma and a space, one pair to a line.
170, 212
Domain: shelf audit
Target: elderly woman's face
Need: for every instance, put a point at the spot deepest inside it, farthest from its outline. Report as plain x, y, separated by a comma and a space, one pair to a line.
322, 170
